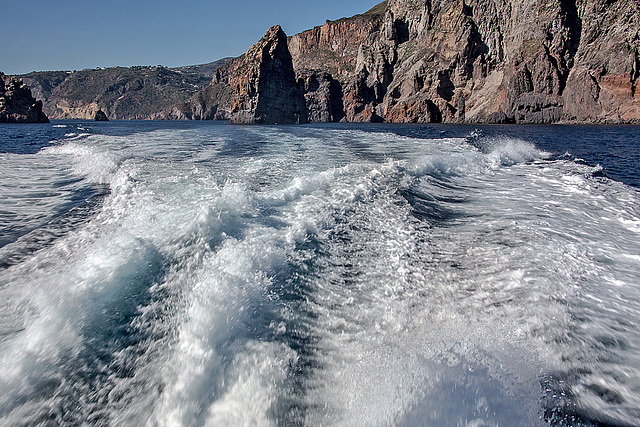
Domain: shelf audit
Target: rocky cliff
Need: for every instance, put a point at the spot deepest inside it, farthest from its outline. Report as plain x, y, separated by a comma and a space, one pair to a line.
526, 61
477, 61
472, 61
263, 84
17, 105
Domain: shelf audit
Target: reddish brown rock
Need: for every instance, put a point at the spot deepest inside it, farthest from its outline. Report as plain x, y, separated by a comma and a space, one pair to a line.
475, 61
333, 47
263, 85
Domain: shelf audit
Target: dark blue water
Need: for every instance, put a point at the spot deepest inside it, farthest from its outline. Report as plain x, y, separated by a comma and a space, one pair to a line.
615, 148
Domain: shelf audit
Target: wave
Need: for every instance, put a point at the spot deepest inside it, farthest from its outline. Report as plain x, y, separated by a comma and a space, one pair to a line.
326, 276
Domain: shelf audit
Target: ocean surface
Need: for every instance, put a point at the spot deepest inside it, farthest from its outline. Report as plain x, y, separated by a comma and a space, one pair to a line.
206, 274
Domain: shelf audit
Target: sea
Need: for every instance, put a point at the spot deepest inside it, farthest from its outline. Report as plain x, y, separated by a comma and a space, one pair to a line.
157, 273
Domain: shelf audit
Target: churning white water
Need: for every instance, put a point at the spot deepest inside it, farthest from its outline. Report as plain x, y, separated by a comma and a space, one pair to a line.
224, 275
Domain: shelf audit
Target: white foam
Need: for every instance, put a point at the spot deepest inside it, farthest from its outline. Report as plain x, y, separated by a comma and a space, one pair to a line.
631, 224
496, 153
337, 277
96, 164
508, 151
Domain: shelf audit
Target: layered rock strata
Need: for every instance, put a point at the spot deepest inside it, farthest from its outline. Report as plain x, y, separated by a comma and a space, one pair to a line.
474, 61
17, 105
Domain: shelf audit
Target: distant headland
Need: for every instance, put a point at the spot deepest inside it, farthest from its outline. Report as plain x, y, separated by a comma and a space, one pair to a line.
425, 61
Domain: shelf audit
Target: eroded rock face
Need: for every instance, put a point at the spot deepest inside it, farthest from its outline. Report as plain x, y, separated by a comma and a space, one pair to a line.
323, 97
603, 82
422, 61
525, 61
333, 47
17, 105
263, 85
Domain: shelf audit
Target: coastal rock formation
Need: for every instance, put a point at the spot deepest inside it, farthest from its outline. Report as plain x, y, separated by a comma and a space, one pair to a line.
485, 61
472, 61
257, 87
323, 97
264, 86
521, 62
325, 59
333, 47
17, 105
403, 61
100, 116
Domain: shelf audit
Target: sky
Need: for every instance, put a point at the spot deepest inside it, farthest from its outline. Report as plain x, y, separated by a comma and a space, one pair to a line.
78, 34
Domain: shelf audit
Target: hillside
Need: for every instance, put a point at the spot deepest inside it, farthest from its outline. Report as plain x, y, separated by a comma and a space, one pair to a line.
121, 92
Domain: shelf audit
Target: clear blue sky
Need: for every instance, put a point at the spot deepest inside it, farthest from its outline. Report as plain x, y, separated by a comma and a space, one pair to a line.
78, 34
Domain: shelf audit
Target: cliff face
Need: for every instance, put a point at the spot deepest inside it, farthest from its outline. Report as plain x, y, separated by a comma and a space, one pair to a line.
603, 82
524, 61
333, 47
264, 84
326, 59
477, 61
473, 61
17, 105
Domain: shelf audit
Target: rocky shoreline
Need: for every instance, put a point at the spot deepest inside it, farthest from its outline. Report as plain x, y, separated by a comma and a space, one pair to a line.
432, 61
457, 61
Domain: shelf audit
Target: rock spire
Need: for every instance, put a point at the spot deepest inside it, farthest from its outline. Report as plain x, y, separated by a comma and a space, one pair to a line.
263, 85
17, 105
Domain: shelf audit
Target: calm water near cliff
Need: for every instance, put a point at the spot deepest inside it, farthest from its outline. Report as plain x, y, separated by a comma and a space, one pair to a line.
200, 273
